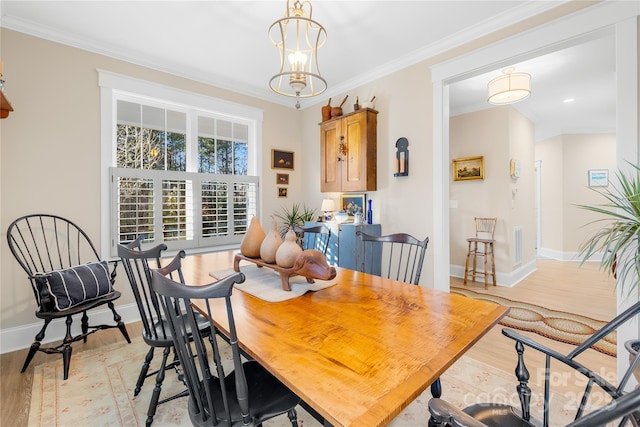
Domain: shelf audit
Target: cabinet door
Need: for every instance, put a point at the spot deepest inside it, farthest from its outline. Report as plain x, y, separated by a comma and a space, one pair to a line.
355, 163
330, 160
359, 171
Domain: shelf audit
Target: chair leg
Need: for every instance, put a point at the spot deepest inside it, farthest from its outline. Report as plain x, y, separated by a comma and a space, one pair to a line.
436, 388
143, 371
156, 390
486, 272
293, 417
466, 264
118, 319
84, 326
35, 346
66, 350
493, 265
475, 252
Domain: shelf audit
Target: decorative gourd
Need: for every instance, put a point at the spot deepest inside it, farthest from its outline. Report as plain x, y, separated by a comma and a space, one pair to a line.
288, 250
252, 240
270, 244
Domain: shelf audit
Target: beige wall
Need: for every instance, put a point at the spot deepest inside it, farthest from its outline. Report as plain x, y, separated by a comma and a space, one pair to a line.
50, 146
498, 134
549, 152
566, 161
400, 203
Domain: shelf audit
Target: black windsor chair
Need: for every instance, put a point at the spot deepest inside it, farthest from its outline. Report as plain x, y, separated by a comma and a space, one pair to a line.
624, 407
249, 394
67, 278
314, 237
156, 332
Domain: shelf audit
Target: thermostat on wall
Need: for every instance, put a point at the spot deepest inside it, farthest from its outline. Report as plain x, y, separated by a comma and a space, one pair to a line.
515, 168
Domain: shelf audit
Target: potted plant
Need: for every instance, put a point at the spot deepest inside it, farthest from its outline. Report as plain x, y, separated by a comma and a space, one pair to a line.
295, 215
618, 241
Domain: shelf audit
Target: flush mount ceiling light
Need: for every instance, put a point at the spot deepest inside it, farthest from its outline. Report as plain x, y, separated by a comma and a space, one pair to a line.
509, 88
298, 37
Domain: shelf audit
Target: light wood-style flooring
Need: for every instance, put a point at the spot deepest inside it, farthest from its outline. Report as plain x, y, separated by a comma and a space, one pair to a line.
563, 286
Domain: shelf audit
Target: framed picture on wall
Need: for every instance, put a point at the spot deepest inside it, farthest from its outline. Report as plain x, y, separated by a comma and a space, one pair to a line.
282, 191
468, 168
598, 177
282, 179
281, 159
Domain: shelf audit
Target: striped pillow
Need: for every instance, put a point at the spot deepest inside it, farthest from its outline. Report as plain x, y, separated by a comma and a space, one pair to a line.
73, 286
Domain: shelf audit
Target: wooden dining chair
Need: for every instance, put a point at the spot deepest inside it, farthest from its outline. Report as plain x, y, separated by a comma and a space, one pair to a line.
249, 394
485, 230
396, 256
67, 277
156, 332
624, 405
314, 237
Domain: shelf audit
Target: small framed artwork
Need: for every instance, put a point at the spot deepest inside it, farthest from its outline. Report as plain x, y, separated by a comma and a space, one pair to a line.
598, 177
282, 179
282, 191
352, 203
468, 168
281, 159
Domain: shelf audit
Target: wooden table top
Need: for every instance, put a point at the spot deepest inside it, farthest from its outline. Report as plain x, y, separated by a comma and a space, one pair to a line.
360, 351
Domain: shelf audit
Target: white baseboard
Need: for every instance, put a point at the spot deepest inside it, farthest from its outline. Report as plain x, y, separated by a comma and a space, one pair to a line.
20, 337
503, 279
566, 256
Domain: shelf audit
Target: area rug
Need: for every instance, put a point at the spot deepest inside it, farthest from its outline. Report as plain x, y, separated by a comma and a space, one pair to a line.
99, 392
265, 283
557, 325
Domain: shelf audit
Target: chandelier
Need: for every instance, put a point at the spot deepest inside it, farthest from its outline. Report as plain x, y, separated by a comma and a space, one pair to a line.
509, 88
298, 37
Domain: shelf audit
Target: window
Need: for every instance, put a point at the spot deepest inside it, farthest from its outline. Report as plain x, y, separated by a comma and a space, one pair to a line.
180, 167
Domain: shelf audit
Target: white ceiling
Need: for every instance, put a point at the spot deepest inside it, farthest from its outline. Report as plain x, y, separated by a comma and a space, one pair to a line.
225, 43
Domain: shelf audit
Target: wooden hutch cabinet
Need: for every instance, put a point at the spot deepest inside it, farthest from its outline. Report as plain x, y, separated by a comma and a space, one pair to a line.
348, 152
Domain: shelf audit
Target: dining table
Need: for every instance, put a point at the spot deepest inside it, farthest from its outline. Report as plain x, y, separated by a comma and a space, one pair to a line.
357, 352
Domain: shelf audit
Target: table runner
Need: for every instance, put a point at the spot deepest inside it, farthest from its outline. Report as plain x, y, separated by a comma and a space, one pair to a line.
265, 283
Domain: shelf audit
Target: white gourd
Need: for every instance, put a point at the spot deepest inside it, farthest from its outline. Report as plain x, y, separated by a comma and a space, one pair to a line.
288, 251
270, 244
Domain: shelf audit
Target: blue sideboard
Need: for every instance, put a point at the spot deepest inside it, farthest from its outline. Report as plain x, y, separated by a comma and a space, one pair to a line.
345, 248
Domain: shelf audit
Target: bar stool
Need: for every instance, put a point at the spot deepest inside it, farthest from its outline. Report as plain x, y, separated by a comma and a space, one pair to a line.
485, 228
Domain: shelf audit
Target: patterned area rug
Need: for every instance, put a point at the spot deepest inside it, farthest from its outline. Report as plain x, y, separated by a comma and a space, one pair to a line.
99, 392
557, 325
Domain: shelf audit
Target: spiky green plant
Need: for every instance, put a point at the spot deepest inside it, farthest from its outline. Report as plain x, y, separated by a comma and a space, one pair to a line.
619, 240
295, 215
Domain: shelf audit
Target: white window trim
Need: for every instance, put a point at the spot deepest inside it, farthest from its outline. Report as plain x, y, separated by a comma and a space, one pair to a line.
111, 83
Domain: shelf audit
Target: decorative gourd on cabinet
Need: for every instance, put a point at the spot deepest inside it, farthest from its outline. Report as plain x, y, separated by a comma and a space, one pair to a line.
348, 152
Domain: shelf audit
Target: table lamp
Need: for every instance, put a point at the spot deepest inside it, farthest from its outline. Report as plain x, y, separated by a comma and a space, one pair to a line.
328, 206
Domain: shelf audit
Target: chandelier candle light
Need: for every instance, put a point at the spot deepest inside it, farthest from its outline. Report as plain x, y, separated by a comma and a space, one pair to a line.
298, 37
509, 88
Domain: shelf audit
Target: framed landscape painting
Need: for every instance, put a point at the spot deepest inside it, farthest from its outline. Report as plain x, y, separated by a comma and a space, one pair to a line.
468, 168
598, 177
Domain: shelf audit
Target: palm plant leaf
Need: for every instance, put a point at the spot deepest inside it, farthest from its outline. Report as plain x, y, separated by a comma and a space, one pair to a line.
297, 214
619, 238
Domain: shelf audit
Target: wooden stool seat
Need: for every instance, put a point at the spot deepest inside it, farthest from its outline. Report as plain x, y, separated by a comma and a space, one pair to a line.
485, 228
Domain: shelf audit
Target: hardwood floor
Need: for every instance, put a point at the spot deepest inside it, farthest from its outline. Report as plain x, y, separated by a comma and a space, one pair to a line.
563, 286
